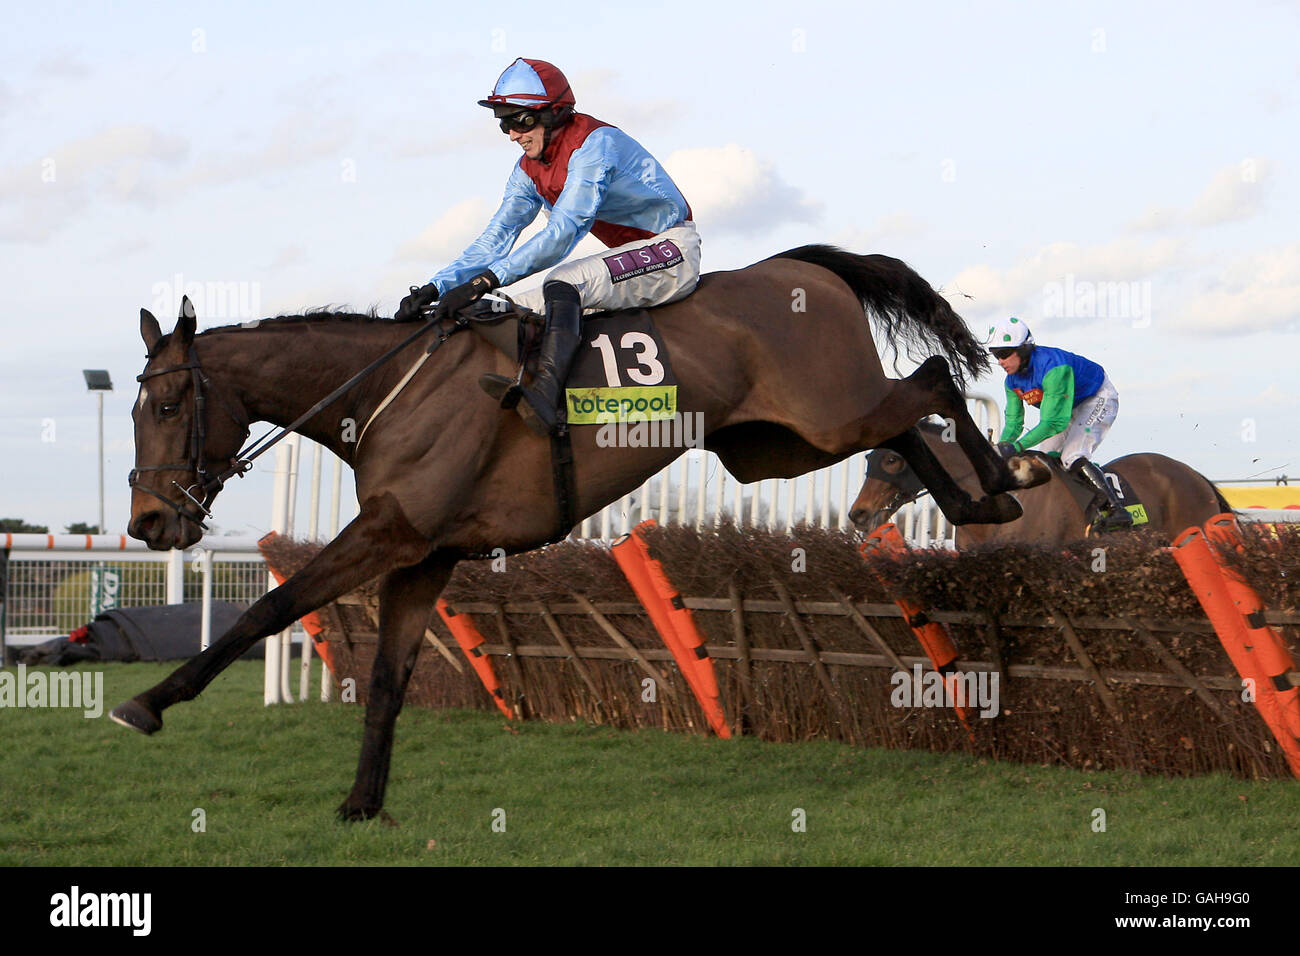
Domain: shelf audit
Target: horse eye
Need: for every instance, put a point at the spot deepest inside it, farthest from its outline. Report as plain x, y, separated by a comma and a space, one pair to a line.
169, 409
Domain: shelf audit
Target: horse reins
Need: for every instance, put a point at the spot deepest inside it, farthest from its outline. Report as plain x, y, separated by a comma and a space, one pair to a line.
209, 487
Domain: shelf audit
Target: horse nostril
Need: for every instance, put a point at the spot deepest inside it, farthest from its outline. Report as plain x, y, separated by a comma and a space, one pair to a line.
142, 527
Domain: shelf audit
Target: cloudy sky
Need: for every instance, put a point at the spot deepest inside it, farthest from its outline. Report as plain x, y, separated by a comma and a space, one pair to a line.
1123, 176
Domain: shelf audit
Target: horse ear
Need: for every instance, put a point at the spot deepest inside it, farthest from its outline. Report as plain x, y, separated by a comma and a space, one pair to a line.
186, 322
149, 329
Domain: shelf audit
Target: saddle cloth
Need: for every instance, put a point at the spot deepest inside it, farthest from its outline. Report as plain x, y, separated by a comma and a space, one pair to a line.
621, 371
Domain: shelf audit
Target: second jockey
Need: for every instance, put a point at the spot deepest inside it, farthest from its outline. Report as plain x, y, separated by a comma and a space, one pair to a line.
1077, 405
590, 177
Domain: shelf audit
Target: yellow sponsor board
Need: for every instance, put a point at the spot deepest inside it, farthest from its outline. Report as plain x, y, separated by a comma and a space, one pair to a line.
1262, 496
639, 403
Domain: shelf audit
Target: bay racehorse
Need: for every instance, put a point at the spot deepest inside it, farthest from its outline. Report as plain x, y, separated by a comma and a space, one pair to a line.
1174, 495
777, 358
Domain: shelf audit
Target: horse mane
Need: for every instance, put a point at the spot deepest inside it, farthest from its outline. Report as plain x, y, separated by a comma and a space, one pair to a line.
319, 316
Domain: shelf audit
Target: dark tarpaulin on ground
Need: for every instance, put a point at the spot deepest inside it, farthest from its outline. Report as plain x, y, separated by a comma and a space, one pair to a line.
167, 633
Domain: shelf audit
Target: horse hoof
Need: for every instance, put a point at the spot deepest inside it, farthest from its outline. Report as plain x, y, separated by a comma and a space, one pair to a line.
354, 813
137, 716
1006, 508
1029, 471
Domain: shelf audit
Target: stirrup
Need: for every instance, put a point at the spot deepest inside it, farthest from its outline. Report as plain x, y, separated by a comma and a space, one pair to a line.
534, 409
506, 390
1113, 519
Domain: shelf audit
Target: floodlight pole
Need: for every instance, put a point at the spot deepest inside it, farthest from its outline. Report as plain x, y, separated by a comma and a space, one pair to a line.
99, 382
102, 528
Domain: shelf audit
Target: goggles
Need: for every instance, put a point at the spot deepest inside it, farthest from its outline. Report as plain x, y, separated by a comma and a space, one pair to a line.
521, 122
1003, 353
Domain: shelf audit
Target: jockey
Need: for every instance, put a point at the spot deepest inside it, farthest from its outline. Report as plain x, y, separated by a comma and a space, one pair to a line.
1077, 405
589, 177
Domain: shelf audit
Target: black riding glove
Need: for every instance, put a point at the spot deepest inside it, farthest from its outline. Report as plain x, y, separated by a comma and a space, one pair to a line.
461, 296
1008, 449
417, 301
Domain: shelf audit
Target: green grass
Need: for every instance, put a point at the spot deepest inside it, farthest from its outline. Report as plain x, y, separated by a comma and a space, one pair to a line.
85, 792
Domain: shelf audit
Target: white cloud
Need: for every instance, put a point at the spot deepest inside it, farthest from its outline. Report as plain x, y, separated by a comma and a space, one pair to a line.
480, 134
1026, 286
62, 65
593, 90
1251, 293
450, 234
286, 257
1178, 383
123, 249
299, 138
1235, 193
45, 193
731, 190
1274, 397
887, 228
90, 160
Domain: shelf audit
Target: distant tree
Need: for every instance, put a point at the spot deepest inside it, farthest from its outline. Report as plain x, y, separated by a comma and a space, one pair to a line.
19, 526
81, 527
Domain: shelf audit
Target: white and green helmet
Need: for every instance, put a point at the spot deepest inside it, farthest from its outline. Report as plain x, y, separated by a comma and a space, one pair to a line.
1008, 333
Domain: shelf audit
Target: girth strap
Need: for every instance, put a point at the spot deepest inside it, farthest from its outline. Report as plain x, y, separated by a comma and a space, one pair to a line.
562, 475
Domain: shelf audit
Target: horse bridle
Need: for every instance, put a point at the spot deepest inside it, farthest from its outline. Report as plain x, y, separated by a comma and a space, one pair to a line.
206, 486
905, 491
240, 464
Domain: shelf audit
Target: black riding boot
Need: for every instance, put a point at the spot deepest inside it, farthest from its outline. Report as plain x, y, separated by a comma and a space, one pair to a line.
560, 341
1112, 516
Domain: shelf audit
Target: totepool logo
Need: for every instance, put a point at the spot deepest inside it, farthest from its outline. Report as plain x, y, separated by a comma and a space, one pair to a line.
599, 406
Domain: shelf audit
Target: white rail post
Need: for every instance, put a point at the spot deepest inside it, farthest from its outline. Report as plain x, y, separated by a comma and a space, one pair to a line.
662, 517
205, 622
286, 636
826, 498
720, 492
336, 495
313, 526
701, 493
681, 492
175, 577
279, 522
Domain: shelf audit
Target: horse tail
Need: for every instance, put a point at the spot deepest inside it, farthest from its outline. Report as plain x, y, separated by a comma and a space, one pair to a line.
906, 309
1224, 507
